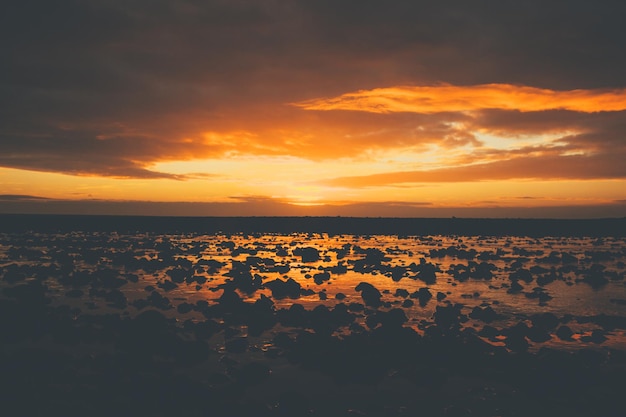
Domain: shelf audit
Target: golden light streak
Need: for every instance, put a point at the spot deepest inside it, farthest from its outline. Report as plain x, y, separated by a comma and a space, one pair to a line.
451, 98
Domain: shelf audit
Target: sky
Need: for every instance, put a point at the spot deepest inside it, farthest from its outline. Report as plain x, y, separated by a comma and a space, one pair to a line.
297, 107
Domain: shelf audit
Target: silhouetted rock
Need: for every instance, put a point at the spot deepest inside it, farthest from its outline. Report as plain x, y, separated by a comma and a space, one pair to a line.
545, 321
423, 295
282, 289
485, 314
184, 308
243, 278
540, 294
521, 274
397, 272
370, 294
167, 285
426, 272
516, 338
564, 333
546, 279
179, 275
597, 337
538, 334
392, 318
515, 288
320, 277
308, 254
449, 318
401, 292
595, 276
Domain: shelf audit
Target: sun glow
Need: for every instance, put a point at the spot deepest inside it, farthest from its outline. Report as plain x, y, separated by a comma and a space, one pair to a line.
410, 146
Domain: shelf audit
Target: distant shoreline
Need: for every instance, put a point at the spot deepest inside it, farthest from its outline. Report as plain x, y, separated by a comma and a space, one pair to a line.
49, 223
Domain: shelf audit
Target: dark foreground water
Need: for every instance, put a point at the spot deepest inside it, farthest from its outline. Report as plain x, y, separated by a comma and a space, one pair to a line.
100, 320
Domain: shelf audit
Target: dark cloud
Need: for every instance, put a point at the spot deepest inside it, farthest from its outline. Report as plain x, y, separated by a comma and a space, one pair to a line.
152, 76
21, 197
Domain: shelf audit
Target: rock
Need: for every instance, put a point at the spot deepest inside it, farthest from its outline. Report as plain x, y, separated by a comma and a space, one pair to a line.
486, 314
308, 254
427, 272
184, 308
401, 292
320, 277
167, 285
515, 288
282, 289
370, 294
521, 274
545, 321
564, 333
423, 295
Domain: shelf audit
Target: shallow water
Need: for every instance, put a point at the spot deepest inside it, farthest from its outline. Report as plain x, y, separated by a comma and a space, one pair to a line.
576, 279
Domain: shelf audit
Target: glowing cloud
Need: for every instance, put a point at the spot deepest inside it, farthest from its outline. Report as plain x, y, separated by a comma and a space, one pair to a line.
451, 98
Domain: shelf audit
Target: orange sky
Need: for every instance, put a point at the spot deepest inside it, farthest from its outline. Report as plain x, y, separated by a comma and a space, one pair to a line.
248, 109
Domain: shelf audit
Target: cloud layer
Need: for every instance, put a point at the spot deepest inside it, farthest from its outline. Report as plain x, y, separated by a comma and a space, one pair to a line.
467, 91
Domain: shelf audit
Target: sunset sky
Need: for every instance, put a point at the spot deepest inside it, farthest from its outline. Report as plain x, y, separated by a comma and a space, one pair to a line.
301, 107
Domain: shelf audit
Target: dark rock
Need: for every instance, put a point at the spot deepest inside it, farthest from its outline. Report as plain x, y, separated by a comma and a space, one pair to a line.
545, 321
564, 333
515, 288
167, 285
521, 274
486, 314
427, 272
320, 277
282, 289
401, 292
308, 254
423, 295
370, 294
449, 318
538, 334
184, 308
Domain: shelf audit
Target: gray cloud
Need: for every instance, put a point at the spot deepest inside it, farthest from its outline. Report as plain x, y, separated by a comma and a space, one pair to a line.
73, 71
